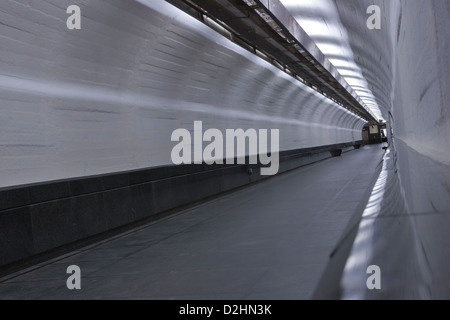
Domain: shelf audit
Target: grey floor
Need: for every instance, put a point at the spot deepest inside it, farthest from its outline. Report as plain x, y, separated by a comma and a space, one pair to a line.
271, 240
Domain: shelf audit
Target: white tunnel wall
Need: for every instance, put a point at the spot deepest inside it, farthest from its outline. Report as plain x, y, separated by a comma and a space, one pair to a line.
422, 92
406, 64
107, 98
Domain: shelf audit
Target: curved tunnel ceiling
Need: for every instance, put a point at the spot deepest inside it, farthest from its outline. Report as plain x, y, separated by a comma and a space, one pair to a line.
140, 69
320, 19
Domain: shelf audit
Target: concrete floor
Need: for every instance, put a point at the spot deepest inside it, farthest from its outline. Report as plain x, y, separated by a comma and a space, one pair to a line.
271, 240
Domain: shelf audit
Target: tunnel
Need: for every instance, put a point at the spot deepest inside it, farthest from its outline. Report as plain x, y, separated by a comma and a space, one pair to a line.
224, 150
